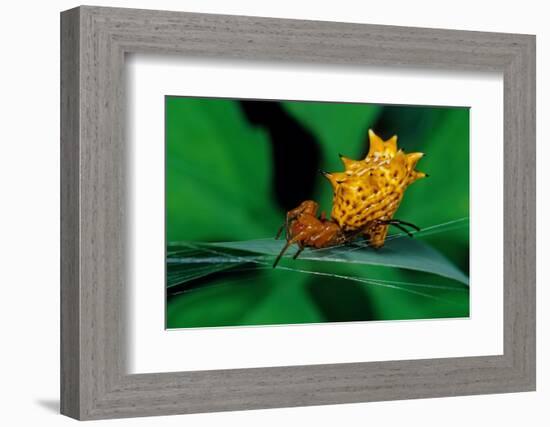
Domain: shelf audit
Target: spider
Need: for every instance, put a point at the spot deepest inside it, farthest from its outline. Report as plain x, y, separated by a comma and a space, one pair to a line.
365, 197
303, 227
369, 191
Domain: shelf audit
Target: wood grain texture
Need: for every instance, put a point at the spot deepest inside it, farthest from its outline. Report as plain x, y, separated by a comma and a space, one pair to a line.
94, 380
70, 314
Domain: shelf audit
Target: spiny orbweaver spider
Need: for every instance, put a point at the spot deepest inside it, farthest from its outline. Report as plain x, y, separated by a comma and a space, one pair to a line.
365, 198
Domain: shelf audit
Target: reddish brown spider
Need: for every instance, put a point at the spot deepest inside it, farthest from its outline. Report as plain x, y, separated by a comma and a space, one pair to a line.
303, 227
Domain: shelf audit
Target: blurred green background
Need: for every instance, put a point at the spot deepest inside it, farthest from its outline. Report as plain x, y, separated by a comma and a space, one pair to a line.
233, 169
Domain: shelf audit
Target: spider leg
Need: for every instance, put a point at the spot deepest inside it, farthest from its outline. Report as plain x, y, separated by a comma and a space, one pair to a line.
350, 237
295, 239
405, 223
284, 226
280, 231
289, 218
400, 224
298, 252
285, 247
396, 224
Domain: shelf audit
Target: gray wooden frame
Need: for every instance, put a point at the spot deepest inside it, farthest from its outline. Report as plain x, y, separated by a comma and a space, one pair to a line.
94, 382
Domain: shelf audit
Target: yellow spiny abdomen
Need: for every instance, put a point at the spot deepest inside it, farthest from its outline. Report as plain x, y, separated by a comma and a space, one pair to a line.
370, 190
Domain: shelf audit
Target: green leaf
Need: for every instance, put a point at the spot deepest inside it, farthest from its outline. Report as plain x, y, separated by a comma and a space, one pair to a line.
246, 297
290, 293
443, 135
340, 128
218, 172
407, 253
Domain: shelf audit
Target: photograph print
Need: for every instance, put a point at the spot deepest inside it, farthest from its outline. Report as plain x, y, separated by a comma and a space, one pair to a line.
305, 212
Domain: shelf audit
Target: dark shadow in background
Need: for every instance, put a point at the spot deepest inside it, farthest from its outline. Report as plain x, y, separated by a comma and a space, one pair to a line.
296, 152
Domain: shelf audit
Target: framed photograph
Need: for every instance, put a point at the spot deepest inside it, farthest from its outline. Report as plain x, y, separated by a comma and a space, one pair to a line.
263, 213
